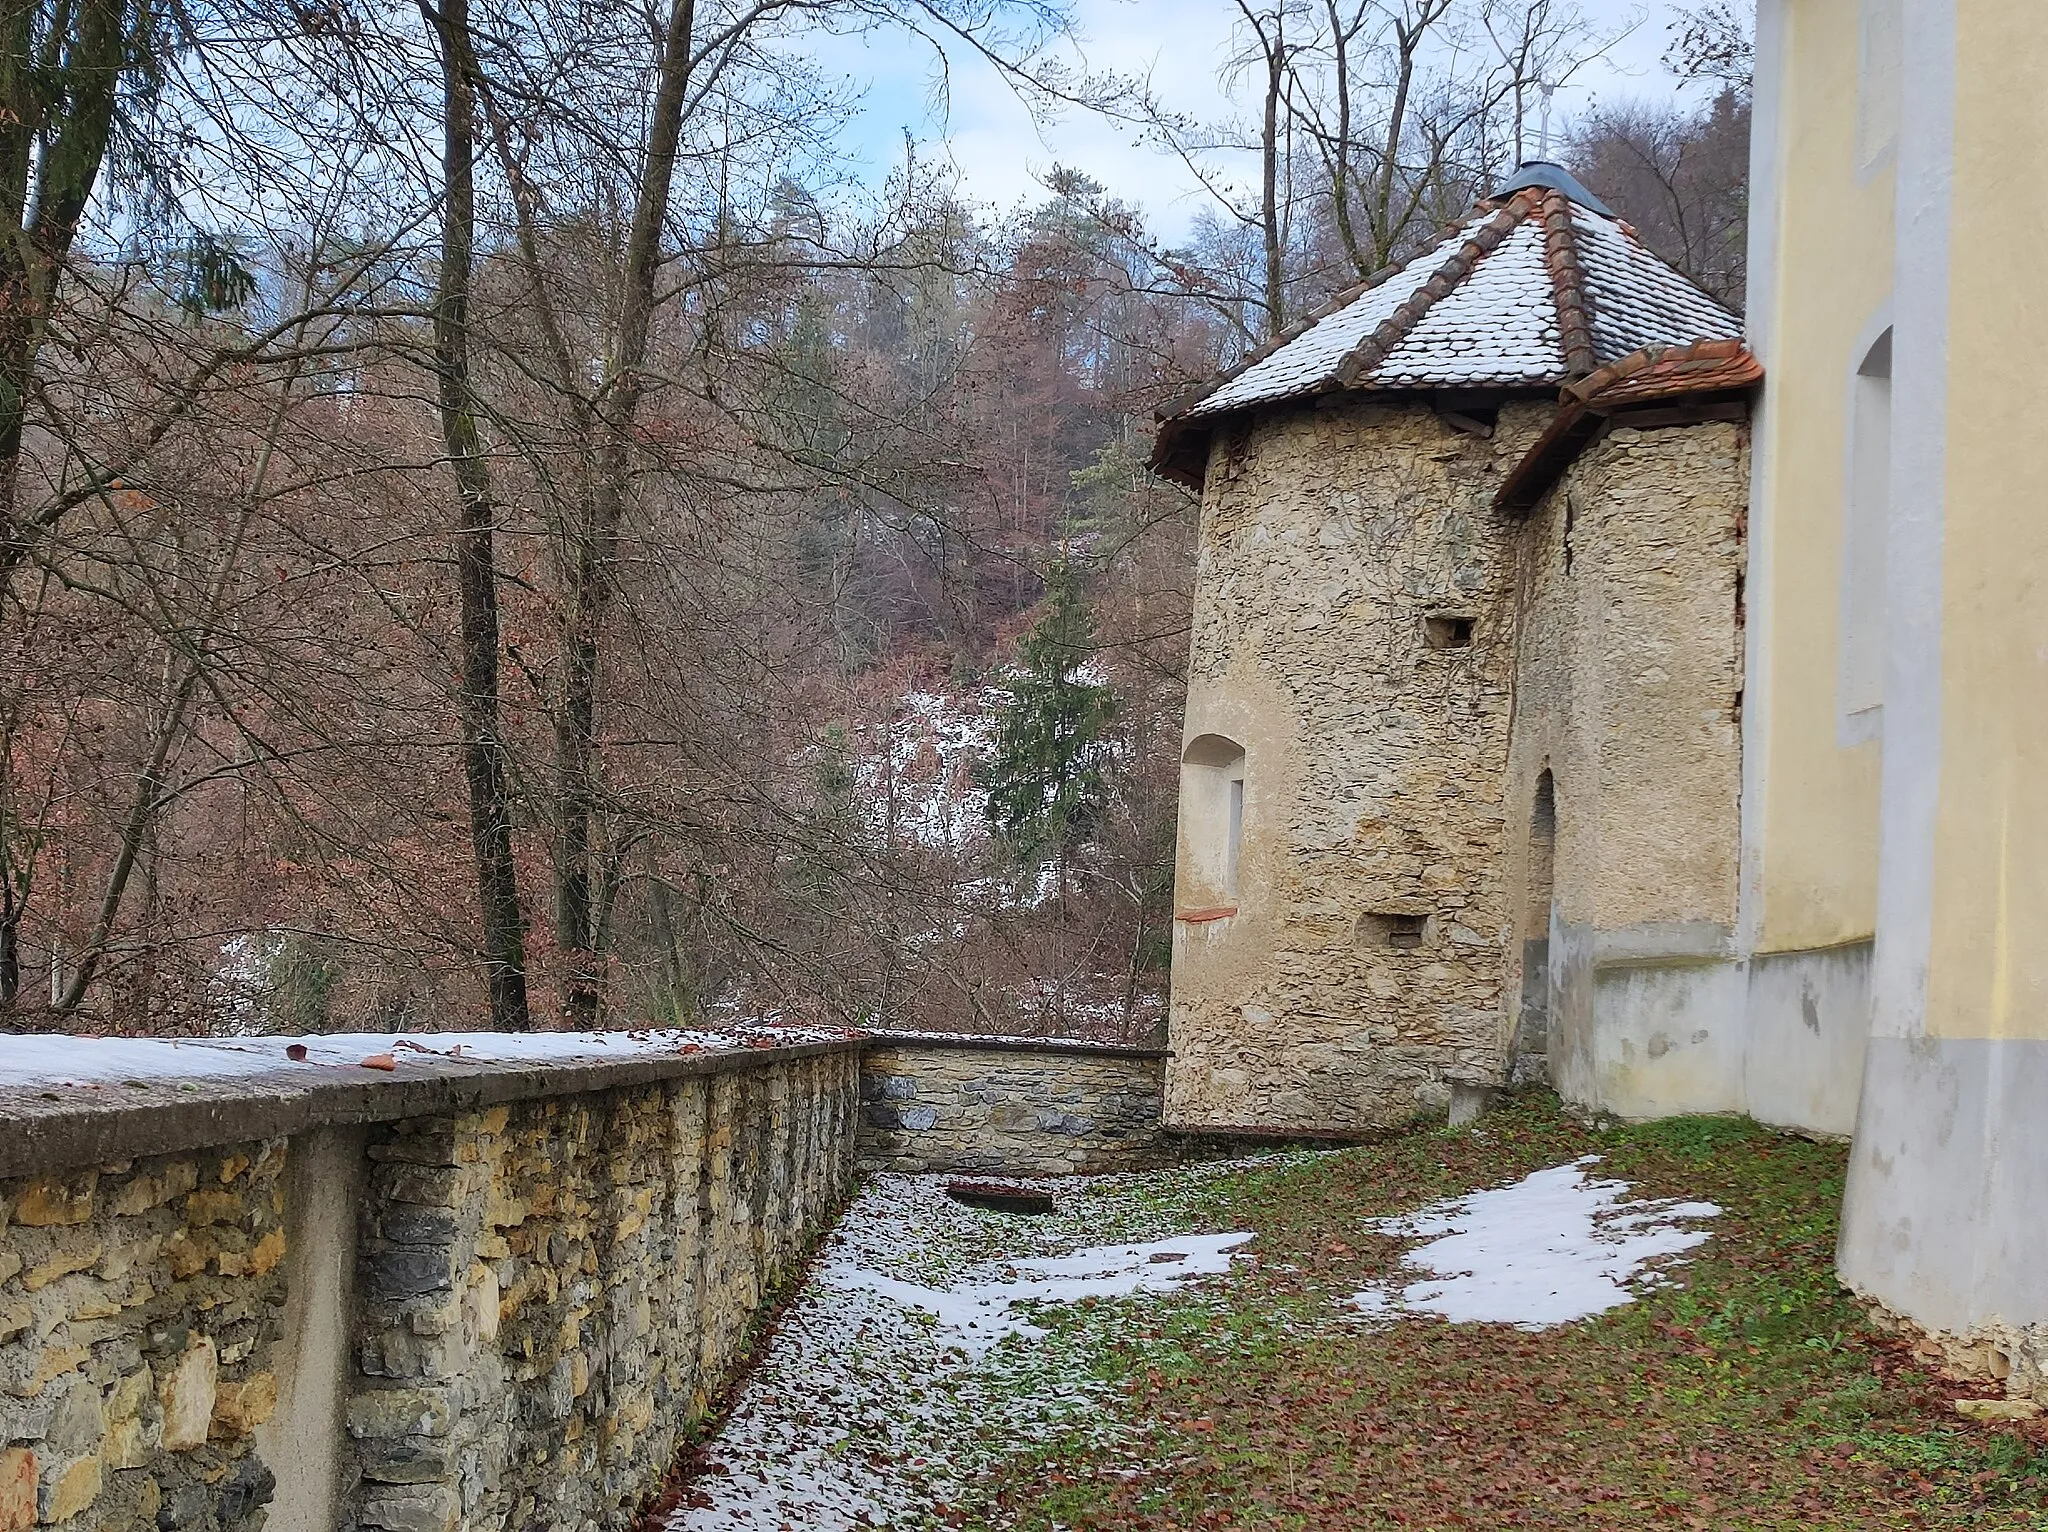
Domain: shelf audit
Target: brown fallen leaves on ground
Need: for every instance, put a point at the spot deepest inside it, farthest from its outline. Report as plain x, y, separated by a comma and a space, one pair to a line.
1745, 1392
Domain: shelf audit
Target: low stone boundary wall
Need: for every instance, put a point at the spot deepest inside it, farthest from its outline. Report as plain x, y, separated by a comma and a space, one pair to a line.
1017, 1106
453, 1296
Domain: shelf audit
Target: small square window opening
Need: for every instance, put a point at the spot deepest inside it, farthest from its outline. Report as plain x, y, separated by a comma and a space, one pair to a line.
1447, 632
1378, 930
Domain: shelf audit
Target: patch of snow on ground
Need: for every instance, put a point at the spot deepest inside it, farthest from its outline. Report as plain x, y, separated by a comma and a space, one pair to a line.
910, 1362
978, 1314
1555, 1247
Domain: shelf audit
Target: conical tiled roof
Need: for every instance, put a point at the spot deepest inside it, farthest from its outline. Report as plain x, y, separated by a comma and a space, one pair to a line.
1535, 289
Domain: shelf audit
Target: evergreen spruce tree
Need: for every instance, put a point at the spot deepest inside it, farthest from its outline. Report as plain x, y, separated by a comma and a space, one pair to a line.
1047, 777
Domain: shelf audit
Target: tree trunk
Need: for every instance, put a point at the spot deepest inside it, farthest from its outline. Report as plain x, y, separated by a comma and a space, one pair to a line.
660, 915
1380, 216
476, 575
591, 567
56, 120
149, 798
1340, 168
10, 940
1276, 253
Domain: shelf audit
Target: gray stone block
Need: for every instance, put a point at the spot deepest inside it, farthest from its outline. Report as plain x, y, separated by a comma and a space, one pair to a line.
406, 1223
406, 1461
410, 1273
434, 1510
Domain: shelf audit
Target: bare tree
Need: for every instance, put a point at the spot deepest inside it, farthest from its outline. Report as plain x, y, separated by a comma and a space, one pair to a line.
1713, 40
722, 105
1681, 177
63, 78
524, 449
1377, 121
476, 565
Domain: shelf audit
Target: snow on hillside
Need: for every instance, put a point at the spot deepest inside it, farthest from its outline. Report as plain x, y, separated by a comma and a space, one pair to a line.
924, 782
922, 786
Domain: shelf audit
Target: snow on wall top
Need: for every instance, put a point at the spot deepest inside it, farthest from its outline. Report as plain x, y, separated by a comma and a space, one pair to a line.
1499, 324
36, 1059
1016, 1042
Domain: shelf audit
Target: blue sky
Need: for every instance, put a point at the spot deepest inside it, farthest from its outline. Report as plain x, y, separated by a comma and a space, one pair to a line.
999, 151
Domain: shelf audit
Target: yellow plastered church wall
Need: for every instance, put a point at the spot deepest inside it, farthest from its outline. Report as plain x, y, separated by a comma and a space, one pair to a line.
1988, 959
1817, 848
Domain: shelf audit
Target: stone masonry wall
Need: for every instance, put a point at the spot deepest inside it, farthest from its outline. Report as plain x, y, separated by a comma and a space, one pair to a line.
546, 1292
1629, 693
139, 1315
1357, 974
556, 1289
1010, 1106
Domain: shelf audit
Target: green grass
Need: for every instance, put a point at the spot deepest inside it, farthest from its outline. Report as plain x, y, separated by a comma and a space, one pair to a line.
1747, 1392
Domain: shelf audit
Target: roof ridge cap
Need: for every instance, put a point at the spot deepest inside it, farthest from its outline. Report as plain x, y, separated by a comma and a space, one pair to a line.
1390, 332
1702, 370
1638, 360
1343, 298
1568, 287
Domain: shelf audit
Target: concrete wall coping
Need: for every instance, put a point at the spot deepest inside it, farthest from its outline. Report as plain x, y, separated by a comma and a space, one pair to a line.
55, 1125
1000, 1042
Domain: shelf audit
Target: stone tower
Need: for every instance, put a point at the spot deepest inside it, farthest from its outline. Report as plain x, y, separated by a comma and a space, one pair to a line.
1464, 681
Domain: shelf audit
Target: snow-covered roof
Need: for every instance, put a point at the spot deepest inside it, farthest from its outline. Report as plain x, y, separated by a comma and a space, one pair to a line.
1536, 287
1634, 299
1498, 325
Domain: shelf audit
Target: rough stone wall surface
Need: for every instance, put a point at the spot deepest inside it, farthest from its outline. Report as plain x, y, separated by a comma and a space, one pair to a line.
1360, 974
1011, 1110
139, 1307
1628, 690
547, 1292
1996, 1352
554, 1290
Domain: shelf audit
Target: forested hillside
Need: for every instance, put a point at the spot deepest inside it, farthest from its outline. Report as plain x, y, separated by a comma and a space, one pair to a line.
501, 520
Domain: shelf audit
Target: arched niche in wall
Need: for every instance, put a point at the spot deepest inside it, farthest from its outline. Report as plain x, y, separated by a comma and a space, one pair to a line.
1212, 810
1532, 1031
1866, 512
